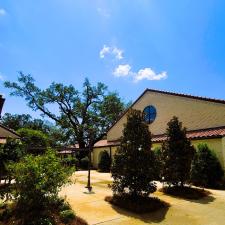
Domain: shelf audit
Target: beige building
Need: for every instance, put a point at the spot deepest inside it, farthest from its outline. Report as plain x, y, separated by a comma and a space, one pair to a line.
204, 119
4, 131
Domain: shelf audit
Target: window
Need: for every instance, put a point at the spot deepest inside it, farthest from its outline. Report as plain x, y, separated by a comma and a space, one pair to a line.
149, 114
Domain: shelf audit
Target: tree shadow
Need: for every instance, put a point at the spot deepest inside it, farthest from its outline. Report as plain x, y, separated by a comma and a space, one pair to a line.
155, 216
205, 200
190, 194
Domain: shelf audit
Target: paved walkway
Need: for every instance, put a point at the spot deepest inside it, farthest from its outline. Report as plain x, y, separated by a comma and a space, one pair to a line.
93, 208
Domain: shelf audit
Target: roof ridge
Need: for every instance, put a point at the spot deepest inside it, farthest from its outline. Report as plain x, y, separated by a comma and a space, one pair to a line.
9, 129
188, 96
168, 93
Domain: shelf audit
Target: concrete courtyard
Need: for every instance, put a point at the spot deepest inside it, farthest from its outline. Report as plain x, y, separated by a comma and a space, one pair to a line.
93, 208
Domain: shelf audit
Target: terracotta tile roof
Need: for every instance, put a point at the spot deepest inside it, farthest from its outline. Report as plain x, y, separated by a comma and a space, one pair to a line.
195, 134
105, 143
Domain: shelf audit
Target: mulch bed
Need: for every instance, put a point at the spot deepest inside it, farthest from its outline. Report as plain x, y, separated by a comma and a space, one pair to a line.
186, 192
12, 218
137, 204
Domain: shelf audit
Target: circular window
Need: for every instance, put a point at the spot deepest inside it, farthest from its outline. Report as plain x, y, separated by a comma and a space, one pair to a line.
149, 114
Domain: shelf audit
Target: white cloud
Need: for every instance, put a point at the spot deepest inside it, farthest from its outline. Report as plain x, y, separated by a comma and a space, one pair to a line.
149, 74
105, 50
118, 53
114, 51
122, 70
2, 12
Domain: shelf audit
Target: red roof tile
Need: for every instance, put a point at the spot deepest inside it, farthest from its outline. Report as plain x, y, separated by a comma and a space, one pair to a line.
195, 134
104, 143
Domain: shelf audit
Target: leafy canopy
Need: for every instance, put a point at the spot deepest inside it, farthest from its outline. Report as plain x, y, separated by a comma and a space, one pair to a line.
11, 151
38, 180
86, 115
133, 168
206, 169
33, 139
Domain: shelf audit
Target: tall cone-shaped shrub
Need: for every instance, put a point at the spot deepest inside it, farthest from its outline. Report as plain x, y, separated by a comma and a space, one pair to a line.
177, 154
133, 169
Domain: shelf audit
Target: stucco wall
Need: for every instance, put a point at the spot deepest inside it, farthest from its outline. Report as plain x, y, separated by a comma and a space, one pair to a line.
96, 154
195, 114
217, 145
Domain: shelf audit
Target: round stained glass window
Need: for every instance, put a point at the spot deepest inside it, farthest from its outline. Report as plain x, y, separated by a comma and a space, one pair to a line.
149, 114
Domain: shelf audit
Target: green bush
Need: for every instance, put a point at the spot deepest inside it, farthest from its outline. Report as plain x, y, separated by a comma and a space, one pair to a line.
84, 163
158, 162
104, 162
11, 151
38, 179
206, 169
67, 215
70, 161
34, 141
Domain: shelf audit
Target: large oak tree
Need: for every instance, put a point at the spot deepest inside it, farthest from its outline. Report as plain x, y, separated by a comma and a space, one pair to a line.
86, 115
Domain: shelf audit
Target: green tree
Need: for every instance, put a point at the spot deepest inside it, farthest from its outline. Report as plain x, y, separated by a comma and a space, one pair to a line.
133, 168
34, 141
158, 161
11, 151
56, 135
206, 169
104, 162
16, 121
177, 154
87, 115
38, 180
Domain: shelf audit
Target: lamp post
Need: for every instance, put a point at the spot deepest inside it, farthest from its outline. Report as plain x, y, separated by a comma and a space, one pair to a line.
89, 187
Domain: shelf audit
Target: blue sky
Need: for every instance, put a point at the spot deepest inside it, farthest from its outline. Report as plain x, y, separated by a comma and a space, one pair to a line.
128, 45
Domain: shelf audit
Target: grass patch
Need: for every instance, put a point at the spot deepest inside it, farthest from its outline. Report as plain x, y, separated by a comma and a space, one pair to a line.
185, 192
137, 204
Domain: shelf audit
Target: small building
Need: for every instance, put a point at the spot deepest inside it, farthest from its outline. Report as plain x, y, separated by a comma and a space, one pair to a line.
204, 119
4, 131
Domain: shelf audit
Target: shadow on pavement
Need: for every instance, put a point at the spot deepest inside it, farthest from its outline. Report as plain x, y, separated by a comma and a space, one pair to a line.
205, 200
156, 216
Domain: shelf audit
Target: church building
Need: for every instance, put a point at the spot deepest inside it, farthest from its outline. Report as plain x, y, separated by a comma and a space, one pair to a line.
204, 119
